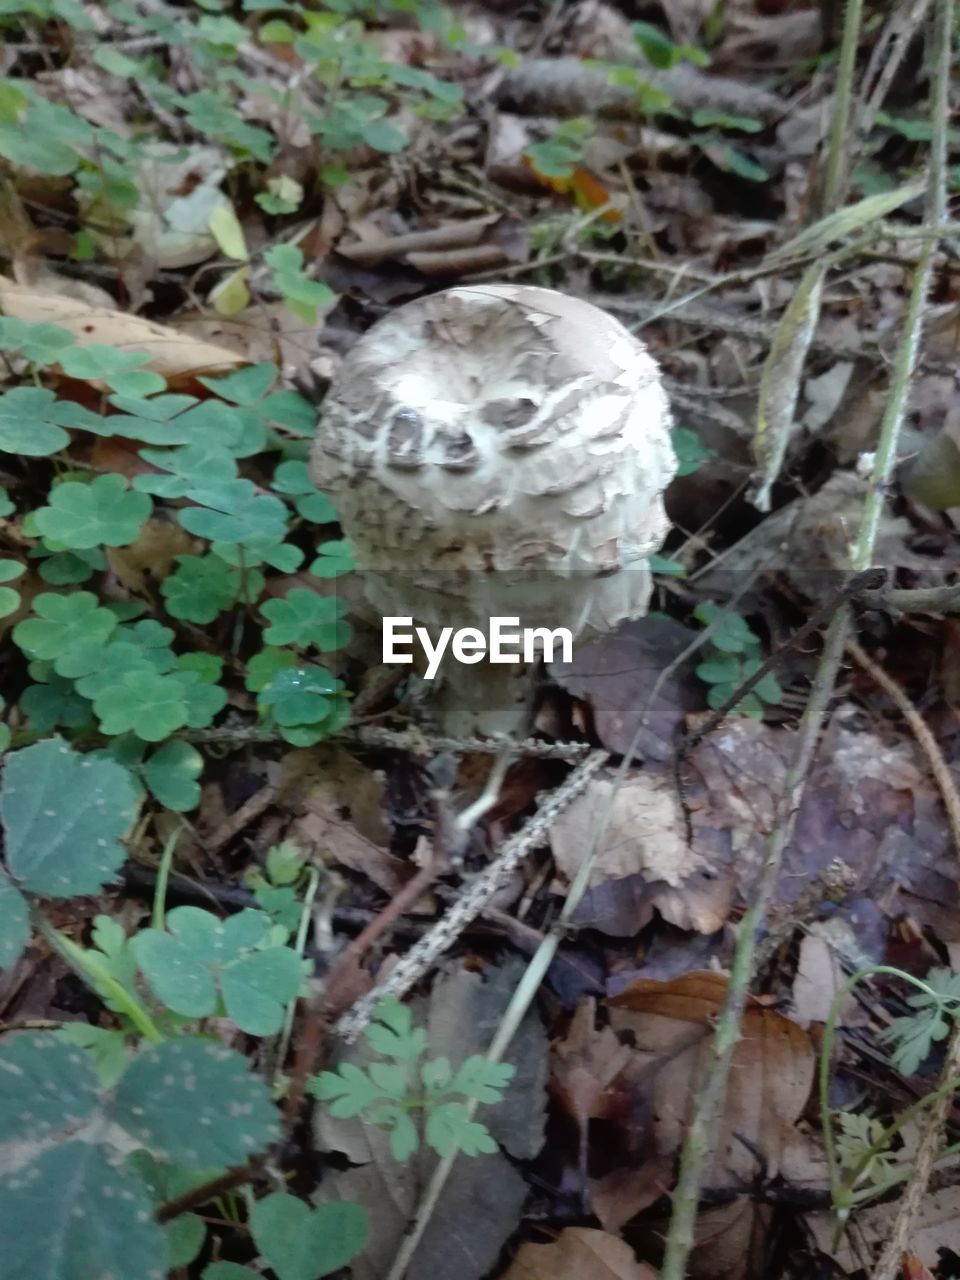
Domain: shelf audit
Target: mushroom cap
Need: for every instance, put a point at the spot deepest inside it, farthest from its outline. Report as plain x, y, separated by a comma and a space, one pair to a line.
484, 442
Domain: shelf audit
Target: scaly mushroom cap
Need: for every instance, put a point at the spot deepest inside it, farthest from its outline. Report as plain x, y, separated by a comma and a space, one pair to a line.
499, 450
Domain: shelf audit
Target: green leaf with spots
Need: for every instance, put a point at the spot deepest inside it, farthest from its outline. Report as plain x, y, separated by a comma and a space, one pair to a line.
201, 959
82, 1215
195, 1102
64, 815
14, 922
103, 513
304, 618
171, 773
45, 1086
63, 621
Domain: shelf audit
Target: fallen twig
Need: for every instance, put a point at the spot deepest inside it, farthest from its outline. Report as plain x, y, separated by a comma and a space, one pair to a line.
423, 955
711, 1089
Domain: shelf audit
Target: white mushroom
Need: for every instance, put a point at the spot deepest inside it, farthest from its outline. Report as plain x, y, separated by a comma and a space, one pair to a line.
498, 450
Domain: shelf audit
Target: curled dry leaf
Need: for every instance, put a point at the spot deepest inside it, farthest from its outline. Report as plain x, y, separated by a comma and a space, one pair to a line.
616, 674
579, 1253
773, 1068
644, 832
643, 860
172, 354
342, 803
639, 1075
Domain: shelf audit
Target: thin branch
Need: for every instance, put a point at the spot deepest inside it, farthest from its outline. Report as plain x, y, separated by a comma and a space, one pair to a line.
424, 954
711, 1091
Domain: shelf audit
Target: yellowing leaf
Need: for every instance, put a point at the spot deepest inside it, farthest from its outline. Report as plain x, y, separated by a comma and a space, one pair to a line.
226, 230
231, 295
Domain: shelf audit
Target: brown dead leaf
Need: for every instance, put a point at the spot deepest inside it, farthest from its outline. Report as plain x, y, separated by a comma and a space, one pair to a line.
151, 555
585, 1064
936, 1227
172, 354
343, 814
772, 1073
578, 1253
729, 1241
644, 834
615, 674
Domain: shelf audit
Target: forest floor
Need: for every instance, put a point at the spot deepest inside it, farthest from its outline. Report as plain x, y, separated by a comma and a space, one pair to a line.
709, 916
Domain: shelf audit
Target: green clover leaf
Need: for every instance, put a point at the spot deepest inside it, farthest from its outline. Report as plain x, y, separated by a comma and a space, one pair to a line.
301, 695
201, 959
264, 666
63, 621
171, 773
10, 598
732, 634
31, 422
233, 511
189, 465
304, 618
244, 386
200, 588
103, 513
333, 558
142, 702
119, 369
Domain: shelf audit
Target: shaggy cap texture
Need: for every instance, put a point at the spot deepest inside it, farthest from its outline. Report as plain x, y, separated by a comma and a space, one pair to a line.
499, 450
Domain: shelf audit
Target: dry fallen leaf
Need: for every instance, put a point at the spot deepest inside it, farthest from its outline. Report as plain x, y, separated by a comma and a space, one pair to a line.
578, 1253
772, 1073
936, 1227
645, 833
174, 355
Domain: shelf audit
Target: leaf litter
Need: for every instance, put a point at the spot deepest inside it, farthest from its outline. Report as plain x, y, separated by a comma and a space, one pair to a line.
643, 206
